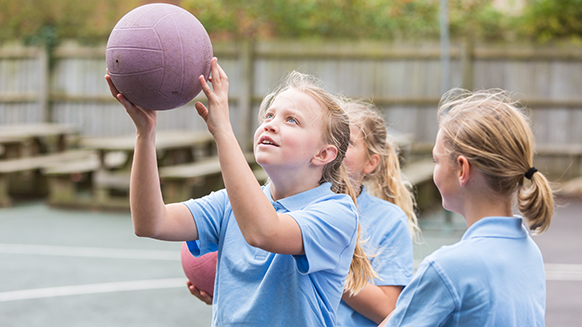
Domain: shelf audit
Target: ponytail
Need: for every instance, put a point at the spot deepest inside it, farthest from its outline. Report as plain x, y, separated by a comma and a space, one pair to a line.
536, 203
388, 183
361, 271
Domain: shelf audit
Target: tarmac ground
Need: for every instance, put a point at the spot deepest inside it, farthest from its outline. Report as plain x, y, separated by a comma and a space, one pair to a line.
81, 268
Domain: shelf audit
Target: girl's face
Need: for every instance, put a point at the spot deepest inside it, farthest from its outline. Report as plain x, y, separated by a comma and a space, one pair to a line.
358, 162
291, 132
445, 175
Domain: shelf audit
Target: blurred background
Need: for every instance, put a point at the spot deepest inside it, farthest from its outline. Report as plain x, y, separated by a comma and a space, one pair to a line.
66, 144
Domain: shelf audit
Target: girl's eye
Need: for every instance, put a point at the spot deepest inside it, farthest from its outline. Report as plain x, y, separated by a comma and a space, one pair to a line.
292, 120
268, 115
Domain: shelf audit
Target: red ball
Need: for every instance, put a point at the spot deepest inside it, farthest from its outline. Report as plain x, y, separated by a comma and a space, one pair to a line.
155, 54
201, 271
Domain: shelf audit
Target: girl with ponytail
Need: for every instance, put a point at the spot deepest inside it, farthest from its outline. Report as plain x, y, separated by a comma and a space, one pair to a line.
494, 276
387, 217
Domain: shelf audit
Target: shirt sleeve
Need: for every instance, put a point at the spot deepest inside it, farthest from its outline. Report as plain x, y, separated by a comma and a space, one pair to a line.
429, 299
329, 231
208, 213
393, 257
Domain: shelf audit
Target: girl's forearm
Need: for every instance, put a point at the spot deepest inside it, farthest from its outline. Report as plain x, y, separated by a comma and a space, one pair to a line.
151, 217
145, 194
374, 302
258, 221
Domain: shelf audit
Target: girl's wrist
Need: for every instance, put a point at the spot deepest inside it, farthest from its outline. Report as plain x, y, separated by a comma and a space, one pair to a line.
224, 132
148, 135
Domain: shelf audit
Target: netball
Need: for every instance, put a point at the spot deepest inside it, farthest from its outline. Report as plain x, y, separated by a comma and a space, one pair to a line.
201, 271
155, 54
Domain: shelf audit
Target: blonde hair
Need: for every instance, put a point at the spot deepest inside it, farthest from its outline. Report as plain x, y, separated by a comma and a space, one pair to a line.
336, 131
386, 180
493, 133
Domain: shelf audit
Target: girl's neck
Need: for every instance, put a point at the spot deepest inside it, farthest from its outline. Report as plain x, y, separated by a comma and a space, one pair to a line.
284, 185
278, 193
486, 206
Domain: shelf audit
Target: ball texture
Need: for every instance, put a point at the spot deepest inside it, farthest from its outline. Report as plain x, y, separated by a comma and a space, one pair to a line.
155, 54
201, 271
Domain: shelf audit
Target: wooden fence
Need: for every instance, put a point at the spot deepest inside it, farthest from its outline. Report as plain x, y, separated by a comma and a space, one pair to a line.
403, 79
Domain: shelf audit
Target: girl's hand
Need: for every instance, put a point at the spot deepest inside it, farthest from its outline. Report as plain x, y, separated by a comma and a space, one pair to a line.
203, 296
144, 119
216, 115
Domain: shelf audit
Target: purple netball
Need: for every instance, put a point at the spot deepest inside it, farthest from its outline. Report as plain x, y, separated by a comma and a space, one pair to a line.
155, 54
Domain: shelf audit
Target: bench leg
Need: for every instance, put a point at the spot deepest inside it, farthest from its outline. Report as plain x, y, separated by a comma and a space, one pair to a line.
175, 191
5, 199
62, 190
203, 186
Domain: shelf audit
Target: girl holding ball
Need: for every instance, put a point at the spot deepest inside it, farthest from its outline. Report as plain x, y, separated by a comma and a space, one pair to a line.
284, 249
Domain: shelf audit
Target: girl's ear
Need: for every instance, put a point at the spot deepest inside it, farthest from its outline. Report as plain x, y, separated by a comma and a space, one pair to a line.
464, 170
325, 155
373, 162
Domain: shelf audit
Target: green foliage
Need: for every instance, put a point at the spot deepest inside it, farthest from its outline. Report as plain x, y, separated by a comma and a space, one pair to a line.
545, 20
478, 19
45, 22
341, 19
345, 19
46, 36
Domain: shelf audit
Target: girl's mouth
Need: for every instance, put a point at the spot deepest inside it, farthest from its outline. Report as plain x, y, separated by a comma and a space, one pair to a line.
265, 140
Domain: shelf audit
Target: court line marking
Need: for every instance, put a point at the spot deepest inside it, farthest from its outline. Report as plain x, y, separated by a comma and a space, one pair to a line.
92, 289
554, 271
90, 252
563, 272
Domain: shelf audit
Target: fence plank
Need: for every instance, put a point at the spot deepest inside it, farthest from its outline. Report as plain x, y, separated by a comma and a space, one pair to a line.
403, 79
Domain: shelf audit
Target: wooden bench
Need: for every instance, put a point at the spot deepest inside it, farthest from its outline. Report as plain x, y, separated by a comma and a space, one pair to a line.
11, 168
193, 180
82, 182
419, 173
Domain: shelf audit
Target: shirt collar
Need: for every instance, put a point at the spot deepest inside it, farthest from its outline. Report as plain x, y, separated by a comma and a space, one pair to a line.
503, 227
364, 196
300, 200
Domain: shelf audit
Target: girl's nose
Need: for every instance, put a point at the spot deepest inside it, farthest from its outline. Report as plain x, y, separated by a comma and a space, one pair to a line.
270, 127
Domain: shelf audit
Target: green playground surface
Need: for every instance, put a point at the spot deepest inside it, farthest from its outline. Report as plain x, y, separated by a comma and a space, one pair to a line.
82, 268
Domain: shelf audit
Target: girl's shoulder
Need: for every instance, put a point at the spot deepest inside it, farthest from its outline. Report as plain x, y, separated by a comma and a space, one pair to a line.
214, 199
460, 256
375, 207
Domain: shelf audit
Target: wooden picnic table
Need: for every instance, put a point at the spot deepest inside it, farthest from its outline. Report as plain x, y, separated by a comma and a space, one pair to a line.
173, 146
26, 140
10, 147
109, 173
27, 148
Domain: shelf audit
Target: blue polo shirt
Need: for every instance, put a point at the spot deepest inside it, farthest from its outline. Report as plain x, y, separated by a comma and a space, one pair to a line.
387, 236
254, 287
494, 276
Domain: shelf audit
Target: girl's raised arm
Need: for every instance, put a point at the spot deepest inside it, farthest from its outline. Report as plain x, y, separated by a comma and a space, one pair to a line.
258, 221
151, 218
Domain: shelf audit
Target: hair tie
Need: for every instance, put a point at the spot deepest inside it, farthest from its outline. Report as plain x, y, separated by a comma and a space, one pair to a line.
530, 172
